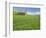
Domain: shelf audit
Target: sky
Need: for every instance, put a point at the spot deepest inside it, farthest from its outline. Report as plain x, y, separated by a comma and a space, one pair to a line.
27, 9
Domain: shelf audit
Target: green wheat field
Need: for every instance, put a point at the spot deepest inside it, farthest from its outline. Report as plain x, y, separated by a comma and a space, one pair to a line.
28, 22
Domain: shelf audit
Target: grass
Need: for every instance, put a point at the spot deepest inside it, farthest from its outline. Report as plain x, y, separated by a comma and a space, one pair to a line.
21, 22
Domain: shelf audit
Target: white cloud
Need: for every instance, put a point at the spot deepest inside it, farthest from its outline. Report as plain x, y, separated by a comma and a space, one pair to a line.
29, 13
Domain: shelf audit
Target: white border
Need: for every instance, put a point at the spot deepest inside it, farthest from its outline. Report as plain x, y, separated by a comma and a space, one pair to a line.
30, 32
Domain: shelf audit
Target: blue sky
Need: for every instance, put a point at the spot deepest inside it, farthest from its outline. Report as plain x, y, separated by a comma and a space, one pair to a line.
27, 9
